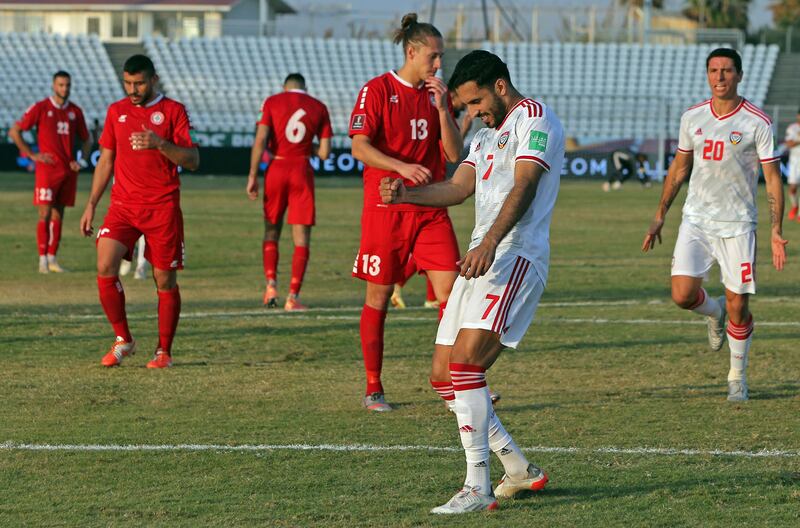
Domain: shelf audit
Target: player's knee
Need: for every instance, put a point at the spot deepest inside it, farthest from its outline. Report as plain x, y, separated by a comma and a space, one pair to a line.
684, 299
737, 308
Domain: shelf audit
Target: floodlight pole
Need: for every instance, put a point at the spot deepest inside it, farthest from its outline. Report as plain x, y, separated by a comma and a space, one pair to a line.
648, 12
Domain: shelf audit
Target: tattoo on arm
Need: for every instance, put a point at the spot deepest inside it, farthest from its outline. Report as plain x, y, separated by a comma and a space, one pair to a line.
773, 213
672, 188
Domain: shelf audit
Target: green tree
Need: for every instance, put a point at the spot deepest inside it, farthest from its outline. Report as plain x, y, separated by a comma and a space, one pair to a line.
786, 13
718, 13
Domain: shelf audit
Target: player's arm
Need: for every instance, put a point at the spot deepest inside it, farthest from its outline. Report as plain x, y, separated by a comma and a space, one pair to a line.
102, 175
323, 150
86, 152
452, 140
442, 194
15, 133
478, 260
774, 186
364, 152
256, 153
679, 170
186, 157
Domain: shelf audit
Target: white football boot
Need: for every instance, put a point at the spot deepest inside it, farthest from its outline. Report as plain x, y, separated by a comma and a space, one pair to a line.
737, 391
535, 480
467, 500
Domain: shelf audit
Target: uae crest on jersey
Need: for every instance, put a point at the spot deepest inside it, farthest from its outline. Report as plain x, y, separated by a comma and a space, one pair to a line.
501, 143
156, 118
736, 137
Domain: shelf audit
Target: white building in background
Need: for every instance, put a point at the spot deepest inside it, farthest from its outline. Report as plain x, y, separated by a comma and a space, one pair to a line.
130, 20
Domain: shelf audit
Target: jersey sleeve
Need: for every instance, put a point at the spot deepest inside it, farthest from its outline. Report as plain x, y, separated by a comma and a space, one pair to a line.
367, 113
684, 137
537, 142
83, 131
265, 116
765, 144
472, 155
108, 138
325, 130
30, 117
182, 131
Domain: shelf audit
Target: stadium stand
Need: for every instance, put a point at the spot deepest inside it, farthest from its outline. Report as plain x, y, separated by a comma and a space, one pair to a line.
29, 60
601, 91
224, 81
625, 90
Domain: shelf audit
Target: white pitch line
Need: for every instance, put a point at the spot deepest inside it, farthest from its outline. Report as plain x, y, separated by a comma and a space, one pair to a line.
656, 451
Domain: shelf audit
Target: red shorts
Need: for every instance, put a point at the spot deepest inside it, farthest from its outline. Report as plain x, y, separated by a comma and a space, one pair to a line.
289, 183
388, 238
55, 190
162, 228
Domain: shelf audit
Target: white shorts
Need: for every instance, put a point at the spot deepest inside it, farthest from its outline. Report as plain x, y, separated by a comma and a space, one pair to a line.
503, 301
794, 170
695, 253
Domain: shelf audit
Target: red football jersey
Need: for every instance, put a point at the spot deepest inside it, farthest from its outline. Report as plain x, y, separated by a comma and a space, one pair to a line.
145, 177
56, 129
402, 122
294, 118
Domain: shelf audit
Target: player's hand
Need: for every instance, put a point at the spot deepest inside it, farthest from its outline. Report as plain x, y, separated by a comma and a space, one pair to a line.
74, 166
415, 173
477, 261
146, 139
438, 88
392, 190
653, 234
43, 157
778, 250
252, 187
86, 220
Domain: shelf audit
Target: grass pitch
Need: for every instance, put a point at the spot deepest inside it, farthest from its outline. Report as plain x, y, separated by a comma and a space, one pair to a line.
609, 368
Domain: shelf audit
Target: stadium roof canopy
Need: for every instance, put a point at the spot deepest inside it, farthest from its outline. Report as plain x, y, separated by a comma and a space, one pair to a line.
278, 7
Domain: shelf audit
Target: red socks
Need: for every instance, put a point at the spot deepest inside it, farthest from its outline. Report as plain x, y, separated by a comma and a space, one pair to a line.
42, 237
442, 306
55, 237
467, 377
169, 311
444, 389
371, 330
299, 263
112, 298
270, 251
430, 295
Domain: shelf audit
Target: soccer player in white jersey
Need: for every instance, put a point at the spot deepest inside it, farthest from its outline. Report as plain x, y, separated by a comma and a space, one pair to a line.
513, 168
722, 142
792, 142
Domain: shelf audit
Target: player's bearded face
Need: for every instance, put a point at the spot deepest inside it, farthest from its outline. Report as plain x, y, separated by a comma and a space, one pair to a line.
61, 87
139, 86
483, 103
723, 78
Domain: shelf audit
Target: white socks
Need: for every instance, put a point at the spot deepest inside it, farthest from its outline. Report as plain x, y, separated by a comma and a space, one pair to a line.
501, 443
472, 409
707, 305
739, 339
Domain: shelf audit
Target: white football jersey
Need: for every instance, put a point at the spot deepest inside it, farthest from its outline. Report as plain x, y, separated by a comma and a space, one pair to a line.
726, 154
793, 134
530, 133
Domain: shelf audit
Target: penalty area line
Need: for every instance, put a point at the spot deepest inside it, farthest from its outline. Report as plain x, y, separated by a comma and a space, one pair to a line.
642, 451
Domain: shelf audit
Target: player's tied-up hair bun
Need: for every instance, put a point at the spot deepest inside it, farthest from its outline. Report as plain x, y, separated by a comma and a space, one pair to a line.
413, 32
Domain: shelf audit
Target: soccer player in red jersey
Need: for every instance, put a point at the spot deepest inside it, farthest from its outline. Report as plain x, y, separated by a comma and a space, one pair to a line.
402, 127
145, 138
289, 122
57, 120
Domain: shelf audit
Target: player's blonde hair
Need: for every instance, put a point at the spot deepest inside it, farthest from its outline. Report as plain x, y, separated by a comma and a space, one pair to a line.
413, 33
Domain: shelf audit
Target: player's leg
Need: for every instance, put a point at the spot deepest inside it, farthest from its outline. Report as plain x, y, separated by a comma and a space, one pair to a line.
269, 251
169, 311
301, 235
112, 297
43, 234
409, 271
793, 201
793, 180
692, 259
736, 258
430, 294
371, 330
54, 238
436, 252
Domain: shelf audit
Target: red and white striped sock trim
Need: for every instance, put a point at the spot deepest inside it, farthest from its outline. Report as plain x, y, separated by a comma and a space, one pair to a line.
467, 377
740, 332
444, 389
701, 298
